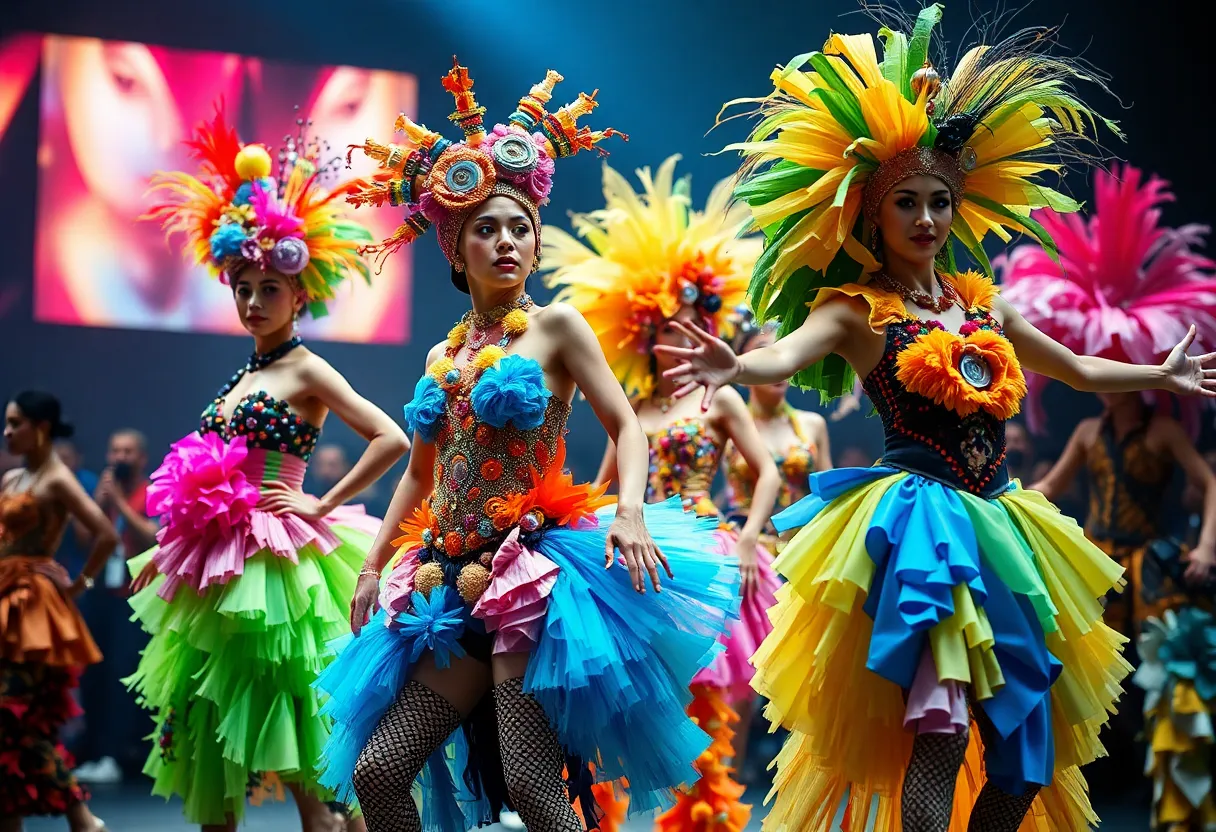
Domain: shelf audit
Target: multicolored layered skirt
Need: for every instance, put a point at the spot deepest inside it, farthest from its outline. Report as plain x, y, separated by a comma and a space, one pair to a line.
239, 619
44, 646
611, 667
909, 606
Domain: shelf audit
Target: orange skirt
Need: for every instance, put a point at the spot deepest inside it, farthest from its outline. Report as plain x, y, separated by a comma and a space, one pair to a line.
38, 623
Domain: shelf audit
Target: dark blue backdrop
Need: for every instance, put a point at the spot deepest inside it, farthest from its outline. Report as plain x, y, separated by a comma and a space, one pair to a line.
662, 68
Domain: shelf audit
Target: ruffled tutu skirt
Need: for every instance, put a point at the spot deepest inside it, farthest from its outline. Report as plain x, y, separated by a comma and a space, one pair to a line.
610, 667
732, 670
229, 668
44, 646
906, 602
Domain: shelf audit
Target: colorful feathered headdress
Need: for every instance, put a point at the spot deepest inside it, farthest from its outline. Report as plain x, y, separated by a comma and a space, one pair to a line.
235, 214
842, 127
1125, 286
440, 182
646, 255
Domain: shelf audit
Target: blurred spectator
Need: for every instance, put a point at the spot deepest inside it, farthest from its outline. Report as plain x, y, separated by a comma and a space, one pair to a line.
1019, 453
328, 466
854, 457
115, 745
8, 461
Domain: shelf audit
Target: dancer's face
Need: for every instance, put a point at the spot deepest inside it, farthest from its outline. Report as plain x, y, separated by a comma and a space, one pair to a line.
669, 336
266, 301
766, 394
915, 218
498, 244
21, 434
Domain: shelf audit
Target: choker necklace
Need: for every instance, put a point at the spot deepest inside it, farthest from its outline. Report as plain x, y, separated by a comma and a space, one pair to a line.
262, 360
919, 297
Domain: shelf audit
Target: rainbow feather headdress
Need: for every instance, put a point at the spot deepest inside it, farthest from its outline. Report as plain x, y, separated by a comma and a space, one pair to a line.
440, 182
235, 214
1125, 286
646, 255
842, 127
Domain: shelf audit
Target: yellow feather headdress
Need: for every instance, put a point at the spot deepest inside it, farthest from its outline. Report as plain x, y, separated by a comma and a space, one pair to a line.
843, 126
645, 256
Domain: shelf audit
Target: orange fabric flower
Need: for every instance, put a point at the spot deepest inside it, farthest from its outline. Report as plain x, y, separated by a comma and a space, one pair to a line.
929, 367
424, 518
491, 470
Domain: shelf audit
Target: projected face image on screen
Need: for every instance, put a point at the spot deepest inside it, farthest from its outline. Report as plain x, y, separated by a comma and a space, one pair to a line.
113, 113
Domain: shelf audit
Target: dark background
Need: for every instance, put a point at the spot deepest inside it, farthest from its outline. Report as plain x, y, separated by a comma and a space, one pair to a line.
663, 70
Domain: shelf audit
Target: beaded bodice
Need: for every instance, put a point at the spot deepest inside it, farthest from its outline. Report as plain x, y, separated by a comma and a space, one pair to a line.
795, 464
1128, 483
26, 527
944, 397
266, 422
683, 461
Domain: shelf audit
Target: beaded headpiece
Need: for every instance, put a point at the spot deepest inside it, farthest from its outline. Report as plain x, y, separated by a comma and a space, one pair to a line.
842, 128
647, 255
441, 182
1125, 286
235, 214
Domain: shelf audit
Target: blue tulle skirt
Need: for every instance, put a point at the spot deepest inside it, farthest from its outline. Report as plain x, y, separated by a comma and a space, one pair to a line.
611, 667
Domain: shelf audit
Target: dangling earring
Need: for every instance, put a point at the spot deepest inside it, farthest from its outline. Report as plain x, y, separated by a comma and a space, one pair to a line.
295, 323
535, 264
876, 242
458, 263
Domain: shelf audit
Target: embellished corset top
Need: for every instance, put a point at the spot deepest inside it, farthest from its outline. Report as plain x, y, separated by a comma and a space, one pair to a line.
25, 528
683, 461
795, 465
266, 423
944, 397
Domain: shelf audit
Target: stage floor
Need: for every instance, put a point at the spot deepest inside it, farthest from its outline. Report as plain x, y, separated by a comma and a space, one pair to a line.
129, 808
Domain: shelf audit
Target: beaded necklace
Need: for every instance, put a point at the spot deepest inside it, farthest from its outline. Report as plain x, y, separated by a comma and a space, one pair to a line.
921, 298
473, 330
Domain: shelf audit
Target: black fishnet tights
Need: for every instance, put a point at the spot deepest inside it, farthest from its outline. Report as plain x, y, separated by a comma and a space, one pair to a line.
928, 792
998, 811
413, 727
532, 761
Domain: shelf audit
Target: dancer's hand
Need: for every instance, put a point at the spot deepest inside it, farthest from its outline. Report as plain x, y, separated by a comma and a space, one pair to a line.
145, 577
708, 363
749, 566
365, 602
55, 573
629, 536
1201, 562
1190, 375
280, 498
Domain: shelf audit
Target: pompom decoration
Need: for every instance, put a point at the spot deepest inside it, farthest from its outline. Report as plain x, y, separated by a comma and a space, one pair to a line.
424, 410
289, 256
226, 241
427, 578
253, 162
244, 193
512, 391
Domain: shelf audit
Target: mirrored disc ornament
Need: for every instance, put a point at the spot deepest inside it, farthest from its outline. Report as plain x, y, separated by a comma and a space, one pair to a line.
967, 159
975, 370
515, 154
463, 177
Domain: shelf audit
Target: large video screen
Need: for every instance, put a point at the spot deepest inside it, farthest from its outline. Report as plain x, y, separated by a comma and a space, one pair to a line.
113, 113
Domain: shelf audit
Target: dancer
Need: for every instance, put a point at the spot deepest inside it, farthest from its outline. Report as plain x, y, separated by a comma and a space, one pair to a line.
928, 582
251, 576
796, 439
653, 260
44, 643
1122, 288
499, 614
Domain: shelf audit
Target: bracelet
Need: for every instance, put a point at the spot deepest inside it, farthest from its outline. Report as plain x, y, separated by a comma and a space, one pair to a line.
86, 580
370, 571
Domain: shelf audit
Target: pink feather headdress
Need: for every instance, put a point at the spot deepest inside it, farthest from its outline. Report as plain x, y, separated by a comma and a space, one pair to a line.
1126, 287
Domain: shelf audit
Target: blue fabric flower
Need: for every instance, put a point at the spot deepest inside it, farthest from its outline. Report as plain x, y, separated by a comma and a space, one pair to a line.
226, 240
513, 390
423, 412
1189, 650
434, 625
245, 190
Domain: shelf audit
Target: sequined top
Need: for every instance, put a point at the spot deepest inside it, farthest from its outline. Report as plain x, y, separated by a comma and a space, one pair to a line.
683, 461
944, 397
795, 465
1128, 483
266, 422
26, 525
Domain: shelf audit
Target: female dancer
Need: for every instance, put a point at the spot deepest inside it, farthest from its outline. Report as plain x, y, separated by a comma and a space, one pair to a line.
1122, 288
796, 439
44, 644
499, 613
251, 575
654, 261
928, 582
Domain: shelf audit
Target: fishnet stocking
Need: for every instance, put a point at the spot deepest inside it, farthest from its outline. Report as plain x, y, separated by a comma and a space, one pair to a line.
413, 727
532, 761
928, 792
998, 811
